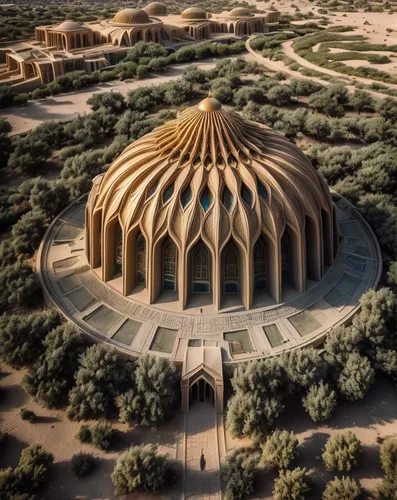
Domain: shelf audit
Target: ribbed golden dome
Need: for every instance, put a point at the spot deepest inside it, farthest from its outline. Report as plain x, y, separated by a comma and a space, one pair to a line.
156, 9
194, 14
131, 16
240, 12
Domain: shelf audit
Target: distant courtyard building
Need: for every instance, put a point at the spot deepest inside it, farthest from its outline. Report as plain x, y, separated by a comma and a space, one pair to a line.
210, 240
70, 46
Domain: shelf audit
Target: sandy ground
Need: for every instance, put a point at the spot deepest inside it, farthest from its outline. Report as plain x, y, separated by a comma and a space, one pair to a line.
68, 106
57, 434
373, 419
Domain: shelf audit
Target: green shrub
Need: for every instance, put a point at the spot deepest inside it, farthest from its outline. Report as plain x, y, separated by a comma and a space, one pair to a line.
342, 452
344, 488
388, 459
84, 434
279, 449
320, 402
82, 464
27, 415
291, 485
238, 474
103, 436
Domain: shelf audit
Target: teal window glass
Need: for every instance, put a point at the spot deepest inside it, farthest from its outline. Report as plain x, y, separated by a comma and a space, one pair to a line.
262, 191
206, 199
227, 198
168, 193
246, 195
186, 196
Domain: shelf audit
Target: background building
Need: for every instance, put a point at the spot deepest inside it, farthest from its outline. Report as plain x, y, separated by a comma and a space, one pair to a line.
94, 46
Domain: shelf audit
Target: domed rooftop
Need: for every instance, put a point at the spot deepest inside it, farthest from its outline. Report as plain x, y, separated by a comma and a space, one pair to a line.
156, 9
131, 16
71, 26
212, 176
240, 12
194, 14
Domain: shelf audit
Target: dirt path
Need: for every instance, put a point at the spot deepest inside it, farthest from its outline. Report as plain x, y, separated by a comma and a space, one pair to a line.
68, 106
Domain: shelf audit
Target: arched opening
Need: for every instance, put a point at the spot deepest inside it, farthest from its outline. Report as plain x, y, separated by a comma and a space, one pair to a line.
231, 268
313, 270
140, 257
326, 232
169, 265
200, 392
149, 37
260, 265
118, 251
336, 232
201, 268
245, 30
290, 261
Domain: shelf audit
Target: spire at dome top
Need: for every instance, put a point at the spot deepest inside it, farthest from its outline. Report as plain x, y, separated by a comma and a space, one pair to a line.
210, 104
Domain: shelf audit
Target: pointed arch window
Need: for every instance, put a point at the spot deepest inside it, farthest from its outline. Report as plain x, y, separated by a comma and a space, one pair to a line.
169, 265
151, 190
285, 255
168, 193
262, 191
200, 268
227, 198
186, 196
206, 198
259, 265
246, 195
141, 259
119, 250
231, 268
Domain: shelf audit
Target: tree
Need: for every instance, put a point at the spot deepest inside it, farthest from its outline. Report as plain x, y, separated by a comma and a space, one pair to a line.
113, 102
330, 100
21, 336
250, 414
48, 197
303, 367
304, 87
103, 436
20, 285
78, 171
28, 231
140, 467
102, 376
178, 92
5, 142
222, 89
82, 464
51, 377
356, 377
387, 490
279, 449
238, 474
151, 400
320, 401
280, 95
361, 100
344, 488
388, 459
27, 415
387, 108
291, 485
342, 452
340, 343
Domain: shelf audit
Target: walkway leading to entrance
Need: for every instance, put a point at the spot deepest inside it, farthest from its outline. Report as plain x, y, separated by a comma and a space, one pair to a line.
201, 438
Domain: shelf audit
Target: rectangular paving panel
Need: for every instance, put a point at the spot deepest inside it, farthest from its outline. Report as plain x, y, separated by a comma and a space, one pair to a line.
239, 342
61, 265
351, 230
81, 299
304, 323
127, 331
194, 343
336, 298
273, 335
103, 318
69, 283
164, 340
349, 284
355, 262
68, 232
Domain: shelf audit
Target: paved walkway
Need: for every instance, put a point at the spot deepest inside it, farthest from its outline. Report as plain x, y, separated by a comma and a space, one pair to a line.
201, 437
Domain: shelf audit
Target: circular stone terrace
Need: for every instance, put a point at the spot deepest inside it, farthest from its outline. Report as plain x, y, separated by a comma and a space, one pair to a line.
136, 328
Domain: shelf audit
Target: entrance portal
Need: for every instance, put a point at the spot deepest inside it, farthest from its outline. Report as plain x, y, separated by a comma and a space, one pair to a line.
200, 392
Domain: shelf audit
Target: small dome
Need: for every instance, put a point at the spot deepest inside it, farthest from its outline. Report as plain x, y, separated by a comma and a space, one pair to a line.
194, 14
240, 12
156, 9
131, 16
70, 26
209, 104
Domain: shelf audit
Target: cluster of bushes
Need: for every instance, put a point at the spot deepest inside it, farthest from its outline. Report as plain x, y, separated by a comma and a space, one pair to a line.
142, 59
26, 479
347, 369
8, 97
101, 435
355, 43
278, 451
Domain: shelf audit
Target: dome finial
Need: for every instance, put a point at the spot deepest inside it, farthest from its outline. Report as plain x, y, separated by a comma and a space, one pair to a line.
209, 104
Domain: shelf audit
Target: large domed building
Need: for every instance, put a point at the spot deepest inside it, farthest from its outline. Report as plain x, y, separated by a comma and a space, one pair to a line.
210, 203
214, 232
